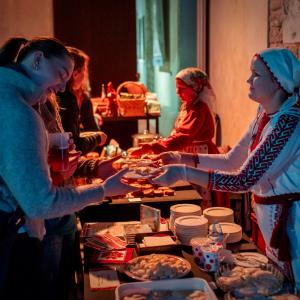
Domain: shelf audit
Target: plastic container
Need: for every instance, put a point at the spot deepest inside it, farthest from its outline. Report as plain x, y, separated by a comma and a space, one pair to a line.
172, 284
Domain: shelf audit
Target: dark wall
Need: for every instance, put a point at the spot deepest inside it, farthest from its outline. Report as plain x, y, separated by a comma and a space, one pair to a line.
106, 31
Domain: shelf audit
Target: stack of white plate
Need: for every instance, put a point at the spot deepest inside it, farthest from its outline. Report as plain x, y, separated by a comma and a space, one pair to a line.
180, 210
188, 227
218, 214
233, 230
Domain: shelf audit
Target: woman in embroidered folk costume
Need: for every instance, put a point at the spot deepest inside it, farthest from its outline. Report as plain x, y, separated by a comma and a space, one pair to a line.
266, 161
194, 127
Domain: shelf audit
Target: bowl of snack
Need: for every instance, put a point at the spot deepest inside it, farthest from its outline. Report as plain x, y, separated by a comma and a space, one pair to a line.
157, 267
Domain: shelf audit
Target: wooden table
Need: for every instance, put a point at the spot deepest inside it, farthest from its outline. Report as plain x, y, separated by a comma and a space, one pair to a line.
184, 251
124, 210
110, 294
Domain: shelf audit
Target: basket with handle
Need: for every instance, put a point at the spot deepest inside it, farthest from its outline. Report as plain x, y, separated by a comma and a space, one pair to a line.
132, 103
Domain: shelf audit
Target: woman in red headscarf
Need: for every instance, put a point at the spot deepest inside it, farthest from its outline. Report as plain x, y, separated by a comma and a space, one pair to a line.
194, 127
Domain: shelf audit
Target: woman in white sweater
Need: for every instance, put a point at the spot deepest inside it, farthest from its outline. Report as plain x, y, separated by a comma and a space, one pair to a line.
266, 161
29, 72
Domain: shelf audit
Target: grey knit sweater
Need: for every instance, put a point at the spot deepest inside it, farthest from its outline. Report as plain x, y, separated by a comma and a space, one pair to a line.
24, 172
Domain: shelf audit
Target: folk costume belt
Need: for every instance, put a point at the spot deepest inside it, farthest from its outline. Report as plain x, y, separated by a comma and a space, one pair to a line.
279, 239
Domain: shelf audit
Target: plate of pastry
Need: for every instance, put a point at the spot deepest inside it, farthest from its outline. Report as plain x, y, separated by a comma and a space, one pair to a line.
144, 172
157, 267
250, 259
249, 282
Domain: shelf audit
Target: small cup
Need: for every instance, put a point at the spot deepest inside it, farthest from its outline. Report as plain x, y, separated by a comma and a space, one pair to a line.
206, 254
197, 243
59, 151
211, 259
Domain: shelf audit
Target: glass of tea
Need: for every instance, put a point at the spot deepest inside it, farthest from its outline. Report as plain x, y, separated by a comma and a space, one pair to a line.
59, 151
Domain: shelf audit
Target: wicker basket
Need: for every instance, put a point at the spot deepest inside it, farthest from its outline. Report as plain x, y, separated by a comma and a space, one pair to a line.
133, 104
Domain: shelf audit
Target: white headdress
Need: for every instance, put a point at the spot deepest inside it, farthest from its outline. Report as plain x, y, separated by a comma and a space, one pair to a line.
285, 69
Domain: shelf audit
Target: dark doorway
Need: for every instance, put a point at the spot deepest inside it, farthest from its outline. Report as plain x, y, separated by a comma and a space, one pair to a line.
106, 31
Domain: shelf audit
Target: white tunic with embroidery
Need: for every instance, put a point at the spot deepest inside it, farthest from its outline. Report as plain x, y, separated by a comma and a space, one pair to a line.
272, 168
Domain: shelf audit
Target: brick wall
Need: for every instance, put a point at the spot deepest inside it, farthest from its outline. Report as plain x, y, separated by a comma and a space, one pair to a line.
276, 18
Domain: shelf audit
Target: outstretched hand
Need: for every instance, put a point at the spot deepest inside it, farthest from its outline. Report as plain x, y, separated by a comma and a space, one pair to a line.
105, 168
167, 158
170, 174
114, 186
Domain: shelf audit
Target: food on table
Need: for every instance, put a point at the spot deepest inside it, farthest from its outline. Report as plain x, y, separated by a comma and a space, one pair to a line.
250, 259
167, 294
250, 281
169, 192
157, 266
158, 193
163, 188
146, 189
148, 192
135, 194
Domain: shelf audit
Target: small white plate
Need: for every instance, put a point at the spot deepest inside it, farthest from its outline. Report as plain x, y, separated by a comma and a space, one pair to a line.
218, 211
133, 175
250, 259
186, 208
191, 221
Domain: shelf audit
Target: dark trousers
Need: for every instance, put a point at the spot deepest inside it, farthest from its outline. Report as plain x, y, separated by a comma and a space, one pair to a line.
25, 278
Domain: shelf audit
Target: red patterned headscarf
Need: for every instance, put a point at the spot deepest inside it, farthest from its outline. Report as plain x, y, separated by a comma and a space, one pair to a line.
193, 77
198, 81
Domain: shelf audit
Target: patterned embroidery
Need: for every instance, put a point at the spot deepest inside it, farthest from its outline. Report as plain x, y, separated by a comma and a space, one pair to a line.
261, 160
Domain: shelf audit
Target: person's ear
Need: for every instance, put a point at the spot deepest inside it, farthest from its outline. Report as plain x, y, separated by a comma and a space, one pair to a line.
37, 58
75, 74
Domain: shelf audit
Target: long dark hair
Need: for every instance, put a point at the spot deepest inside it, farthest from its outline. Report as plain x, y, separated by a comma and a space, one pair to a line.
12, 52
81, 60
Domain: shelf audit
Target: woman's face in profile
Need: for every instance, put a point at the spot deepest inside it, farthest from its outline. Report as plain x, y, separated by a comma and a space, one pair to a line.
262, 85
184, 92
52, 74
